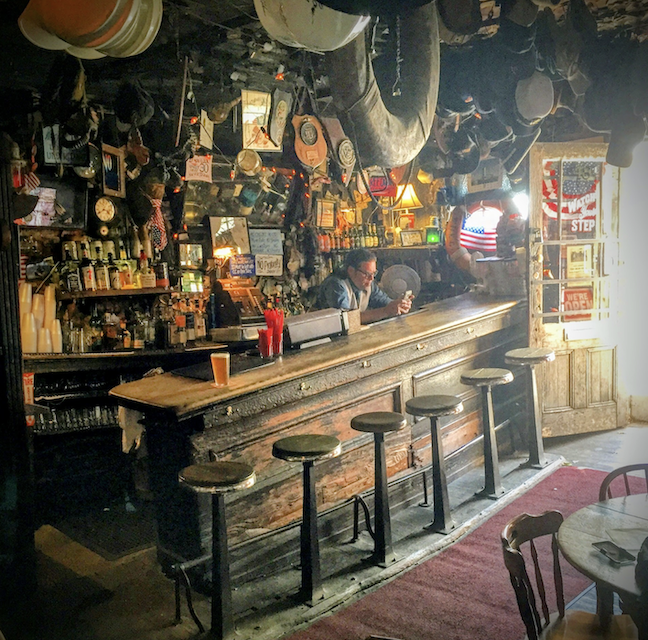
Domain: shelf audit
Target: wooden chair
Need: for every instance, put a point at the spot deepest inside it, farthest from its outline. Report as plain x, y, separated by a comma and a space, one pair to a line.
606, 492
562, 624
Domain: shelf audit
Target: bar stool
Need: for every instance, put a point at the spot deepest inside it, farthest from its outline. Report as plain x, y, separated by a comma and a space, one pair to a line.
379, 423
307, 449
530, 357
219, 478
434, 407
488, 378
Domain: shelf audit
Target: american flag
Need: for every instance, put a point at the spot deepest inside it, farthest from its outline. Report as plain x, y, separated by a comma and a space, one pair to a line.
157, 226
479, 230
579, 191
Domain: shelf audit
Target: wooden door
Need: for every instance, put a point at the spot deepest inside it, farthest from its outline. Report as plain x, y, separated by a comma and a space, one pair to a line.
573, 282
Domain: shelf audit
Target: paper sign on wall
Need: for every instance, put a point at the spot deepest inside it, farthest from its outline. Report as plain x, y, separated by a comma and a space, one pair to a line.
266, 242
269, 265
199, 168
242, 266
206, 131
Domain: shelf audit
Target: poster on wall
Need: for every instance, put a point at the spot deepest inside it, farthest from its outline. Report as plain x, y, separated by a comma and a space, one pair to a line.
579, 261
576, 184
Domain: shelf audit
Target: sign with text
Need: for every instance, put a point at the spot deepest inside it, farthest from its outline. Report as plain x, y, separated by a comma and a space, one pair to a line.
266, 242
578, 299
268, 265
199, 168
242, 266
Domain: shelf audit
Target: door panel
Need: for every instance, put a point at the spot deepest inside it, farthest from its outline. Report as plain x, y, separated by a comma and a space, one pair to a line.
573, 282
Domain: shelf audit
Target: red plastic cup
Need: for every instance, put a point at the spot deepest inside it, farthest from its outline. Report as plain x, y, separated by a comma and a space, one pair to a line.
265, 343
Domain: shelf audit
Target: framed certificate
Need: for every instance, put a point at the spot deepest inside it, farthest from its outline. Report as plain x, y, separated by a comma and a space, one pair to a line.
411, 237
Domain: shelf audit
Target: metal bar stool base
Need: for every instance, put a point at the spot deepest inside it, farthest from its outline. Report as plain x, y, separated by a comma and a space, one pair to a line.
443, 528
491, 495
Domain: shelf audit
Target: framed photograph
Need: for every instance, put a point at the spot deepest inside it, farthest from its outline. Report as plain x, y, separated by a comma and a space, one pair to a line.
114, 171
255, 107
326, 214
62, 204
411, 237
488, 175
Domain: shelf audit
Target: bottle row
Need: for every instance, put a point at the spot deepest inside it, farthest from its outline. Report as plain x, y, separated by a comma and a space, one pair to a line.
110, 273
364, 236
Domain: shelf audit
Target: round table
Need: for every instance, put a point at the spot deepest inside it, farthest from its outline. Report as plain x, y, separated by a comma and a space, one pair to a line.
626, 516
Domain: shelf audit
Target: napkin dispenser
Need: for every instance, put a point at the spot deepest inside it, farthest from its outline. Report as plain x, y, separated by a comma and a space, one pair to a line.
314, 326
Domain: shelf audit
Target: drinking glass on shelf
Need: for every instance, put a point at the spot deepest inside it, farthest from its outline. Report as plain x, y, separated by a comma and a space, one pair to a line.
44, 340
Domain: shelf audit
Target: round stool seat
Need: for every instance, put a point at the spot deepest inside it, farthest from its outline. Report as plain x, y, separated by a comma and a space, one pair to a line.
378, 422
434, 406
306, 448
218, 476
529, 355
486, 377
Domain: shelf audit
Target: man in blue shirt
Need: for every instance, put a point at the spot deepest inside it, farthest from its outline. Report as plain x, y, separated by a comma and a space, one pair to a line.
353, 287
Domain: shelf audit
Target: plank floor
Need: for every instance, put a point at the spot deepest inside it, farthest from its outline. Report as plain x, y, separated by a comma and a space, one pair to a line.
86, 597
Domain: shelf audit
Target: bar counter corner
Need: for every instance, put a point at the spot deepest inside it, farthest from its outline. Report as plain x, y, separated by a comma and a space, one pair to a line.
319, 390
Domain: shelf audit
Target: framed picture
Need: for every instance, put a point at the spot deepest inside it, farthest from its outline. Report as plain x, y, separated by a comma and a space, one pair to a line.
114, 171
487, 176
62, 204
326, 214
255, 106
411, 237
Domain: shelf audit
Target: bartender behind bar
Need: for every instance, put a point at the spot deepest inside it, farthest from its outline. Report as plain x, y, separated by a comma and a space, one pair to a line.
353, 287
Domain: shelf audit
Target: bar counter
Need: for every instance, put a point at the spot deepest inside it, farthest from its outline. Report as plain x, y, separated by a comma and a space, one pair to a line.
318, 390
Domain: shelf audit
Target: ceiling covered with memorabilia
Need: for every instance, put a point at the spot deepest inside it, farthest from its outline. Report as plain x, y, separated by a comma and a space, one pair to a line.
451, 83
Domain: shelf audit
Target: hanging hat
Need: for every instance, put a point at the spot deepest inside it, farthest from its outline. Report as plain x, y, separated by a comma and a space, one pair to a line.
310, 144
534, 97
134, 106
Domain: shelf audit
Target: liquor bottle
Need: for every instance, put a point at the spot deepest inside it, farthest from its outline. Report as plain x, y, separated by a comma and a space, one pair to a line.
346, 243
71, 275
191, 327
87, 270
114, 274
139, 333
125, 337
161, 270
201, 326
101, 271
146, 274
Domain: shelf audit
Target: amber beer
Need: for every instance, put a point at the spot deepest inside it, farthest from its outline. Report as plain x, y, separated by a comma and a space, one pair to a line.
221, 367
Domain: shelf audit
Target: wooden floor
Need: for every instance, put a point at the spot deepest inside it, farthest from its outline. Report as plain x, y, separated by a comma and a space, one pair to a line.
129, 599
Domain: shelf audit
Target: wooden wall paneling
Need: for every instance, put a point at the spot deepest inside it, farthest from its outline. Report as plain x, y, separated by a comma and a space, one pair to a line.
601, 375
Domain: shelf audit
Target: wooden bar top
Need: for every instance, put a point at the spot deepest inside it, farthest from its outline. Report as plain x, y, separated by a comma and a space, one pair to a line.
186, 397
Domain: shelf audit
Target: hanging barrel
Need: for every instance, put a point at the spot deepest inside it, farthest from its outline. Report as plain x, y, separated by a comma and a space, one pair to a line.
389, 137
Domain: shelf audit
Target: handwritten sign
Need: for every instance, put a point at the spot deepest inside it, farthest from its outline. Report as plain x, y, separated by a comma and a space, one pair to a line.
269, 265
242, 266
266, 242
199, 168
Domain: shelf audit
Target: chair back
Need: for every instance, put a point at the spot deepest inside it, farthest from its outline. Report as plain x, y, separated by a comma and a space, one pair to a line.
622, 485
523, 529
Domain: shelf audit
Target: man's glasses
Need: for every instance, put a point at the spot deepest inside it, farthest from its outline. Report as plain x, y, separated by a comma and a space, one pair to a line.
367, 274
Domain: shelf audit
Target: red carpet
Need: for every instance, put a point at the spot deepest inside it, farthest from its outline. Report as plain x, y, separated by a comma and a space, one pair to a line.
464, 593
